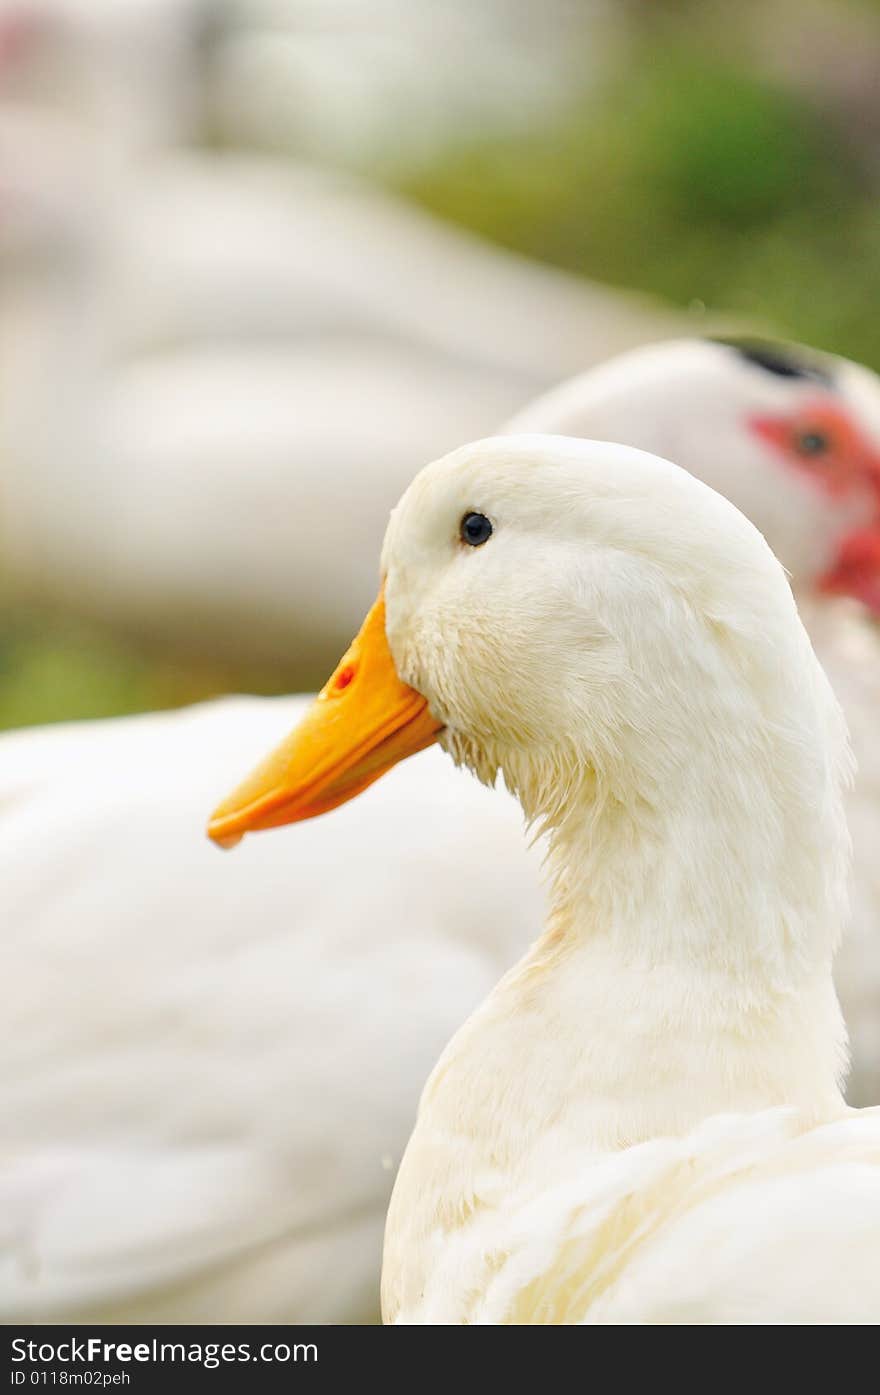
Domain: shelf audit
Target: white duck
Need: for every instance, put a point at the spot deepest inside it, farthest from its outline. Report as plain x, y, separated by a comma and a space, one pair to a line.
643, 1122
178, 409
793, 439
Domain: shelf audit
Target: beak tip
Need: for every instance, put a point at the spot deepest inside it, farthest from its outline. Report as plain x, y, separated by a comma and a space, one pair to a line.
225, 841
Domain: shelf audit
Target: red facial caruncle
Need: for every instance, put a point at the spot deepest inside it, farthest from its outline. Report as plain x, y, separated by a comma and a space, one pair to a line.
826, 448
822, 442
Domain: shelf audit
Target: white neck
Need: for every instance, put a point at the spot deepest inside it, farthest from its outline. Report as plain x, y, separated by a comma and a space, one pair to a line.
644, 1007
603, 1037
685, 968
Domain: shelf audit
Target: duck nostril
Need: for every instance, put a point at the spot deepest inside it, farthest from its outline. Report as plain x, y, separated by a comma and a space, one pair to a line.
344, 677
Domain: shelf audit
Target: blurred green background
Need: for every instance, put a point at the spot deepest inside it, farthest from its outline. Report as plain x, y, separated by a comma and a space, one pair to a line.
715, 155
728, 156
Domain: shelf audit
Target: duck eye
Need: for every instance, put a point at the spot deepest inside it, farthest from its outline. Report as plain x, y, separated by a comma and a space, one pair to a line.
475, 529
811, 442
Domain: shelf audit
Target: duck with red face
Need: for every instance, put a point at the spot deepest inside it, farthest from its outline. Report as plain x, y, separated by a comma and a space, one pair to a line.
793, 439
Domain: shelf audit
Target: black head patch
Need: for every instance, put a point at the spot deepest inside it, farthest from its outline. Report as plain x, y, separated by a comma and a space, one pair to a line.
779, 359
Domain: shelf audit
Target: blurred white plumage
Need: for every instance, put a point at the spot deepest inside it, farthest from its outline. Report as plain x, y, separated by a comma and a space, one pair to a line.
209, 406
396, 82
126, 70
210, 1068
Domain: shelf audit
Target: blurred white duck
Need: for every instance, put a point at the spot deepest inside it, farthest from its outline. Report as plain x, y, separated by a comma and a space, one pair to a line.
129, 69
793, 439
206, 1082
395, 85
643, 1122
307, 250
177, 409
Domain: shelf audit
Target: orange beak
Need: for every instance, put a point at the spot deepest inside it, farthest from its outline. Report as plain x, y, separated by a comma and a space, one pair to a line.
363, 721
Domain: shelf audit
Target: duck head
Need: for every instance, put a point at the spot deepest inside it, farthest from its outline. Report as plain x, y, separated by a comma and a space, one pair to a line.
617, 639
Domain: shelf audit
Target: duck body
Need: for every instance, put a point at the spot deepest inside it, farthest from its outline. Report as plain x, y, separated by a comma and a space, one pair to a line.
203, 1118
542, 1184
720, 1227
